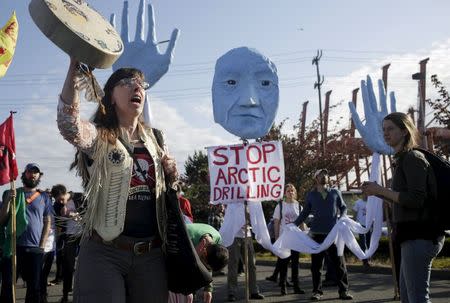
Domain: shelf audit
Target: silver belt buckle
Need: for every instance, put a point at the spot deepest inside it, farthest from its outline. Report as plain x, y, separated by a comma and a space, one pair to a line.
139, 245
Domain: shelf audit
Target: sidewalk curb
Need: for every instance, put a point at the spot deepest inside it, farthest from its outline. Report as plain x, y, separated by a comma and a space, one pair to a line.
435, 273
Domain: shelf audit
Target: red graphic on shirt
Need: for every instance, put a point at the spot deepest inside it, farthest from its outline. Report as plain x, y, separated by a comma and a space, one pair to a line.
290, 217
147, 175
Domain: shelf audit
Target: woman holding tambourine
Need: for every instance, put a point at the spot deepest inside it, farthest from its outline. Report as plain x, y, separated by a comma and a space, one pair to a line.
123, 168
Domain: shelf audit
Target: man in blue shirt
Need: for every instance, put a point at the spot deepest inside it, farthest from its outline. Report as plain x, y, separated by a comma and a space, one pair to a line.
33, 216
326, 205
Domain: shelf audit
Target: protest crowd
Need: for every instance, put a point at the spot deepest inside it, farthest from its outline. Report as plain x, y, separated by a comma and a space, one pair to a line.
51, 238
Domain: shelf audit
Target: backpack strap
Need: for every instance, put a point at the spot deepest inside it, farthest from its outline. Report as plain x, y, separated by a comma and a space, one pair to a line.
280, 203
31, 198
281, 209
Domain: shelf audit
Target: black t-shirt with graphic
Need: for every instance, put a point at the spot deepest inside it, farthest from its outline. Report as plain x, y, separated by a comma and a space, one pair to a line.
140, 220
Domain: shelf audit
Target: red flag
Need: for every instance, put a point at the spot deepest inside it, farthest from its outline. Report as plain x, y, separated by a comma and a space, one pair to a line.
8, 163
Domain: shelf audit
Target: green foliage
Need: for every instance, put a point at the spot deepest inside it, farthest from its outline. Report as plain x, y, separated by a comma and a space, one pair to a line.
440, 105
441, 113
196, 179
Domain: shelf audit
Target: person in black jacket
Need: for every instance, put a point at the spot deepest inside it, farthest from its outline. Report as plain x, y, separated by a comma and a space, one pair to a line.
411, 194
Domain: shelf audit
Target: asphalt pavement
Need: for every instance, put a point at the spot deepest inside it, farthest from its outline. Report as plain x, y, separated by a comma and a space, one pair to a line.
372, 285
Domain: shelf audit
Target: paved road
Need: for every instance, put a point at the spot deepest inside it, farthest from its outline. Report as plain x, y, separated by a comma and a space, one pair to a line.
371, 286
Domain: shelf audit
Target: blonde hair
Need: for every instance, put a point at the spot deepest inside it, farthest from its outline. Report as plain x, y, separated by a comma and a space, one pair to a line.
290, 185
404, 122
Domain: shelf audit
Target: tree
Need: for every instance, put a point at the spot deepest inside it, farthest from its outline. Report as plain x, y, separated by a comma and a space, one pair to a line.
442, 116
196, 180
440, 105
302, 156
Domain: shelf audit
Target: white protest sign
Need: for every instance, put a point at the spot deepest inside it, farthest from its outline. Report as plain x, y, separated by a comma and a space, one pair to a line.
252, 172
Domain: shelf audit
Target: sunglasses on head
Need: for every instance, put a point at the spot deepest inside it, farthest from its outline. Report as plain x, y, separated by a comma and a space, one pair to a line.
129, 82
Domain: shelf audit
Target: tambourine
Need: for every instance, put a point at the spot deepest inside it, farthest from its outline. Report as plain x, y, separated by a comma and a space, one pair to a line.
78, 30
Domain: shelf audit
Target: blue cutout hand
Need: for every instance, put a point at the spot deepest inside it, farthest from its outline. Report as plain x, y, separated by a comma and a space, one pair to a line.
142, 54
372, 132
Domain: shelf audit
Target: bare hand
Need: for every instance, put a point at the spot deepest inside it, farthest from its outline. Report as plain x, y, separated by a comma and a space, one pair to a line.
142, 54
371, 188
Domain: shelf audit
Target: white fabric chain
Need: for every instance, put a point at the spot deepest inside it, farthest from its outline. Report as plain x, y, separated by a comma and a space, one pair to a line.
295, 239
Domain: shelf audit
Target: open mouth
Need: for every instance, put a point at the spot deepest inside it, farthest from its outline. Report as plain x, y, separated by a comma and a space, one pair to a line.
137, 99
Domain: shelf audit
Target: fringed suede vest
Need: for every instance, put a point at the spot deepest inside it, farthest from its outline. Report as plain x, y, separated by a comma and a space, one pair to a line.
108, 187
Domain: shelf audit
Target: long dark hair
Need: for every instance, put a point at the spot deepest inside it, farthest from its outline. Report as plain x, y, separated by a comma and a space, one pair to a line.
105, 118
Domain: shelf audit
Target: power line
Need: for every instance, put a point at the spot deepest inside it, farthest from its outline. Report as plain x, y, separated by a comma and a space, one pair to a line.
176, 67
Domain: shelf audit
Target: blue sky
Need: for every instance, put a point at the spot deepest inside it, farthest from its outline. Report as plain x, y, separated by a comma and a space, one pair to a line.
357, 38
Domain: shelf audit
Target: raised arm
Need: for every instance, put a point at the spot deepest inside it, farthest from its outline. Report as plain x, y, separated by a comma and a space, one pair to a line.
76, 131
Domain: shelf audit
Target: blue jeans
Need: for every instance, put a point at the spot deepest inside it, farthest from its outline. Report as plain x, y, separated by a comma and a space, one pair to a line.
415, 269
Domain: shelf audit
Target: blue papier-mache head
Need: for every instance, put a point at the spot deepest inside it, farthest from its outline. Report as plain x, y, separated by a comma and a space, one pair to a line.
245, 93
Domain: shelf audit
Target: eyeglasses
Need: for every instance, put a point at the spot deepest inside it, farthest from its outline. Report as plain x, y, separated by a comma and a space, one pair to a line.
129, 82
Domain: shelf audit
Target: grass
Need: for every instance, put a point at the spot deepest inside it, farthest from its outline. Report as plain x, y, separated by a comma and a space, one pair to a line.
438, 263
442, 263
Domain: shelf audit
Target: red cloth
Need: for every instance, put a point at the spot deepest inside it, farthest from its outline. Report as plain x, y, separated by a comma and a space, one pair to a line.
185, 206
8, 163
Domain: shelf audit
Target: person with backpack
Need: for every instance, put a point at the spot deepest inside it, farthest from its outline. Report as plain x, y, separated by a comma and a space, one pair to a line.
412, 194
285, 213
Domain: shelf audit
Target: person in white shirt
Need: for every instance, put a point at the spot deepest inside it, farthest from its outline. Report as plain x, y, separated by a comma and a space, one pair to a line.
360, 211
290, 210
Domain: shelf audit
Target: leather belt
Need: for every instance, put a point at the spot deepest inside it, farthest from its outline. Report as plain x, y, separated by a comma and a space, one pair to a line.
129, 244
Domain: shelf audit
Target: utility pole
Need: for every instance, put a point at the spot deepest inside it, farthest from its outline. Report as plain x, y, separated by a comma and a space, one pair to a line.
421, 77
303, 121
355, 157
326, 112
352, 124
318, 85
